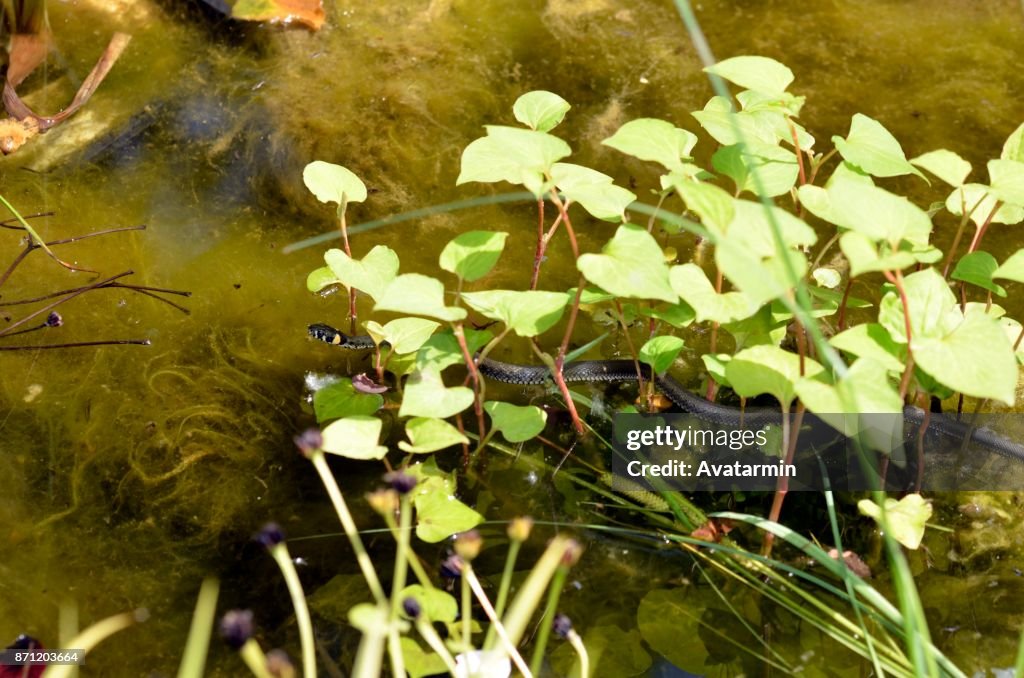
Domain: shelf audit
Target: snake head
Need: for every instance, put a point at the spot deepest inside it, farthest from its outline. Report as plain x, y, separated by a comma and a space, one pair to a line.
326, 334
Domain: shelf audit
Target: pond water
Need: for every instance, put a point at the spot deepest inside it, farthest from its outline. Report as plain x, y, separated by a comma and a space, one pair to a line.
129, 472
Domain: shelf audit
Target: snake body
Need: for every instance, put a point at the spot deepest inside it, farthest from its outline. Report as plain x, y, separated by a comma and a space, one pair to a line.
611, 371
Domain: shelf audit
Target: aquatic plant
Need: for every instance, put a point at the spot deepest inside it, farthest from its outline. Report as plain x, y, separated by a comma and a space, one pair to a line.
922, 343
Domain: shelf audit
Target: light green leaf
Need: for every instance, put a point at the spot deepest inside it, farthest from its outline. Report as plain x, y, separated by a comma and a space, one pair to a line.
1013, 149
864, 255
440, 515
712, 204
472, 255
717, 120
876, 213
442, 350
341, 399
768, 369
776, 167
419, 662
370, 275
405, 335
427, 434
437, 605
906, 517
715, 365
980, 203
871, 147
630, 265
593, 190
528, 313
1007, 181
354, 438
333, 183
1012, 268
677, 315
866, 389
368, 618
870, 340
660, 352
518, 156
655, 140
417, 294
540, 110
692, 284
946, 165
974, 358
319, 278
429, 478
763, 327
754, 72
427, 396
516, 423
933, 311
829, 278
977, 268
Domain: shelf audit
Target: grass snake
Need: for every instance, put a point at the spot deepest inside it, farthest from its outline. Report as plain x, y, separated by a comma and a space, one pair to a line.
609, 371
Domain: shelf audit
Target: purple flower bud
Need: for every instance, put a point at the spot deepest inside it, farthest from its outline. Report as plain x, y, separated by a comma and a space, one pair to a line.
54, 319
309, 441
451, 568
400, 482
412, 608
562, 626
236, 628
270, 535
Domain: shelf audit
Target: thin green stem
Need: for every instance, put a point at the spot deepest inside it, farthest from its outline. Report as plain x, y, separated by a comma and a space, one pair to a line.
291, 579
547, 617
503, 589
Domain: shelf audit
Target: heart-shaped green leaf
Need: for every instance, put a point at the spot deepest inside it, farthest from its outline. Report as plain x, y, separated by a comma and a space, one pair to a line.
631, 265
427, 396
333, 183
437, 605
775, 167
977, 268
655, 140
905, 518
405, 335
870, 340
1012, 268
427, 434
440, 515
979, 203
946, 165
871, 147
1006, 177
370, 275
527, 313
516, 423
518, 156
758, 73
417, 294
692, 284
472, 255
354, 438
660, 352
593, 190
540, 110
341, 399
768, 369
442, 350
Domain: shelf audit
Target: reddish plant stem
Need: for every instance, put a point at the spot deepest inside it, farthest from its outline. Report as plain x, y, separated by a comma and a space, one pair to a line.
966, 216
896, 278
796, 148
560, 360
10, 223
842, 304
348, 250
633, 354
782, 485
980, 233
712, 390
474, 375
821, 163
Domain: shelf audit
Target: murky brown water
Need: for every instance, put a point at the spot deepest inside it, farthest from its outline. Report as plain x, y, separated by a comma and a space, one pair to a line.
126, 473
